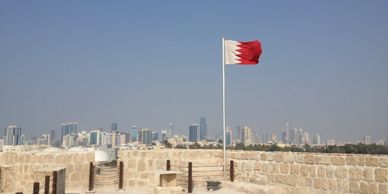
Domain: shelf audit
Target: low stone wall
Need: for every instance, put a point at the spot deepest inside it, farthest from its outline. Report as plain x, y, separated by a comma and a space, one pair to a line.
18, 171
294, 172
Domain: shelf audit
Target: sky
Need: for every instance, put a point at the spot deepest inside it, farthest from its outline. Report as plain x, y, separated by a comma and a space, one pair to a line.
324, 66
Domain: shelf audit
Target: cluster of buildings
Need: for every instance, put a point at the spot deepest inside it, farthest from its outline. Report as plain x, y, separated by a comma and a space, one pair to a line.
135, 135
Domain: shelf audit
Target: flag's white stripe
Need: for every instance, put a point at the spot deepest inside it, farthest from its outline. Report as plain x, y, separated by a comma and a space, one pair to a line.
231, 52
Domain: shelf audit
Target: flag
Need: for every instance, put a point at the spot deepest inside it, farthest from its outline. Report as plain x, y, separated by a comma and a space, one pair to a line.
243, 53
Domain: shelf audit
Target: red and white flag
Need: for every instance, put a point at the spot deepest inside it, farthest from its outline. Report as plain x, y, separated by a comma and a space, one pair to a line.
243, 53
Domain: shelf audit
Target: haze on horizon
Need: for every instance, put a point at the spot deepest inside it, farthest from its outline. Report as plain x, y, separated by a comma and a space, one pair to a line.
324, 66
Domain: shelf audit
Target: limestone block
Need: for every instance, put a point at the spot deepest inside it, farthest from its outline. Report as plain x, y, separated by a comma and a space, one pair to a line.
294, 169
383, 188
141, 165
288, 158
305, 170
309, 159
373, 188
167, 190
299, 158
372, 161
263, 156
343, 185
279, 157
341, 172
332, 184
270, 157
381, 175
364, 188
291, 180
354, 187
369, 174
384, 162
275, 168
309, 182
338, 160
318, 183
321, 171
325, 160
284, 168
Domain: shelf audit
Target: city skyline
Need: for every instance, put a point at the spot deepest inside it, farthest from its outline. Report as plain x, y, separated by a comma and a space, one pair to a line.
323, 65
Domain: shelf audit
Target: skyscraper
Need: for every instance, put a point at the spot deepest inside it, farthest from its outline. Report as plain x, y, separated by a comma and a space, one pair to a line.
317, 139
13, 135
146, 135
193, 133
367, 140
246, 135
203, 128
163, 134
134, 134
69, 128
113, 127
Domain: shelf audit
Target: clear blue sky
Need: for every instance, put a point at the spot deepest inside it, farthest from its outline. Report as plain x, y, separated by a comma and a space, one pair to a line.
324, 67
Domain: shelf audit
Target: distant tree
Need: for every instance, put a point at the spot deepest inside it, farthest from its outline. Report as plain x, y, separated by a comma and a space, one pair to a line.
167, 144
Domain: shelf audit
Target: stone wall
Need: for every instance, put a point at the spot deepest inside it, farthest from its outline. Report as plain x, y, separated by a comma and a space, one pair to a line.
18, 171
295, 172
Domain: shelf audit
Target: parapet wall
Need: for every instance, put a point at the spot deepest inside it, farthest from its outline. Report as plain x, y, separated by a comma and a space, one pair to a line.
294, 172
18, 171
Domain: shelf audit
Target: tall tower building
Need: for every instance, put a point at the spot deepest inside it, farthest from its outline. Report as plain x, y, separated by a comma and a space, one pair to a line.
246, 135
134, 134
69, 128
13, 135
203, 128
317, 139
114, 127
146, 135
367, 140
171, 131
193, 133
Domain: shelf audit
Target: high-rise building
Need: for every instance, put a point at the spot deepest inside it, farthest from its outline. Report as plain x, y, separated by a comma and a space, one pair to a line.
146, 136
330, 142
317, 139
228, 136
13, 135
284, 137
163, 134
306, 139
114, 127
155, 136
52, 137
69, 140
193, 133
171, 131
202, 128
134, 133
115, 135
367, 140
69, 128
124, 138
96, 137
246, 135
237, 134
265, 138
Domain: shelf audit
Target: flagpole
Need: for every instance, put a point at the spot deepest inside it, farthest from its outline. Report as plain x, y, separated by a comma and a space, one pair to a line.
223, 103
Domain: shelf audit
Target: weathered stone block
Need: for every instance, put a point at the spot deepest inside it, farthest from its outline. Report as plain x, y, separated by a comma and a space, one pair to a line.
299, 158
383, 188
369, 174
332, 184
384, 162
325, 160
263, 156
309, 159
381, 175
330, 172
364, 188
294, 169
275, 168
284, 168
341, 172
291, 180
321, 171
373, 188
338, 160
354, 187
372, 161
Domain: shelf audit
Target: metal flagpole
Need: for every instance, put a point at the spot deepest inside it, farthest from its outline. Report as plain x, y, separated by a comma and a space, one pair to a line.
223, 103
